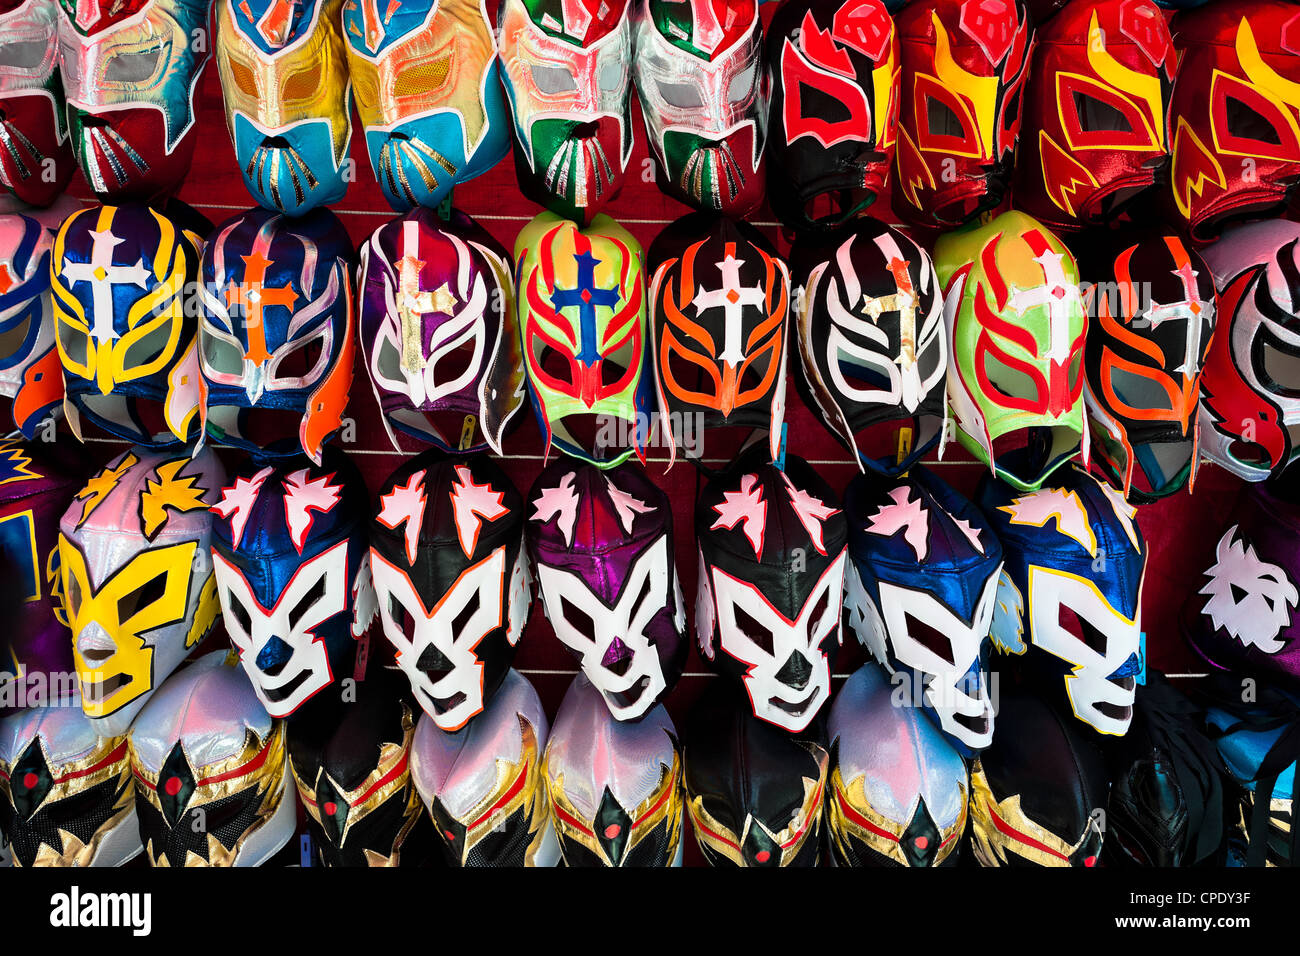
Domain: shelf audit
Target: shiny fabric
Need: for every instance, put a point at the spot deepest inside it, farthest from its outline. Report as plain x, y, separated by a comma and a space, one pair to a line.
284, 79
439, 331
137, 584
704, 89
484, 785
602, 550
1016, 330
36, 158
211, 777
123, 279
130, 69
293, 575
616, 787
427, 85
834, 114
277, 331
31, 376
873, 352
898, 789
451, 580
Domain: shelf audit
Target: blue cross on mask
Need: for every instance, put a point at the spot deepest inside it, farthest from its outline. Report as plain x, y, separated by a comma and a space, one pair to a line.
586, 297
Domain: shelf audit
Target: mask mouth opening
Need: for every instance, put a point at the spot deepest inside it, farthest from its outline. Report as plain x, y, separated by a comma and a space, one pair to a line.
603, 437
273, 432
285, 691
977, 724
97, 692
832, 207
1029, 455
137, 418
629, 698
797, 708
445, 705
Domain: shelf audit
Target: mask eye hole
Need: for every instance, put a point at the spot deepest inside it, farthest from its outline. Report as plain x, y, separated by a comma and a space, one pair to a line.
578, 619
941, 120
455, 363
23, 55
742, 84
553, 80
300, 361
1097, 116
1245, 122
400, 615
1011, 110
932, 639
243, 76
239, 613
1008, 381
306, 603
302, 85
74, 342
221, 357
820, 609
1084, 632
682, 96
759, 635
389, 362
425, 77
132, 603
611, 372
133, 67
461, 621
610, 77
554, 363
149, 348
73, 595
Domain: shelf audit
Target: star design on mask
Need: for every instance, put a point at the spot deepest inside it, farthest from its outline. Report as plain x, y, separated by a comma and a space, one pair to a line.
746, 507
101, 486
903, 514
1061, 505
471, 505
811, 512
404, 505
444, 300
1124, 513
168, 491
302, 496
560, 503
626, 505
236, 504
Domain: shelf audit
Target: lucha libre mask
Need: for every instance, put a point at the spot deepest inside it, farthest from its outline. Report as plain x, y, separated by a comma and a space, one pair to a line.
1250, 402
122, 279
754, 792
1233, 116
1015, 333
277, 329
582, 321
873, 350
137, 586
353, 771
426, 81
292, 571
1153, 306
602, 548
284, 77
212, 782
616, 788
484, 785
1035, 792
1094, 133
30, 374
65, 790
1070, 597
130, 70
719, 297
835, 69
704, 92
567, 68
772, 556
897, 788
451, 580
920, 595
35, 152
964, 66
439, 333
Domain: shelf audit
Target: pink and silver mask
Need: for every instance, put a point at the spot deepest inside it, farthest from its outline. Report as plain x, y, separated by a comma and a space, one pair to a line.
704, 92
451, 578
602, 549
36, 159
439, 333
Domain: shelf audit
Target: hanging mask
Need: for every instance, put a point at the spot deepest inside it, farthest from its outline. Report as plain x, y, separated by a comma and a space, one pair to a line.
284, 78
427, 85
212, 782
835, 70
920, 596
616, 788
35, 153
137, 586
754, 792
704, 92
771, 582
439, 333
484, 785
130, 71
719, 298
602, 549
292, 571
567, 69
1250, 399
353, 771
1070, 597
36, 486
1233, 116
582, 320
451, 580
1016, 334
964, 67
123, 278
1153, 306
873, 350
65, 791
277, 331
30, 374
1036, 793
898, 788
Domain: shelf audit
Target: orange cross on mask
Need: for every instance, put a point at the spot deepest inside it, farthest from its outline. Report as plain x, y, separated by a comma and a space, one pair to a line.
253, 297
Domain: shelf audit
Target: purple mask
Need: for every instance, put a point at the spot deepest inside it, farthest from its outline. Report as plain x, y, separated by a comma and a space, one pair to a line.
602, 546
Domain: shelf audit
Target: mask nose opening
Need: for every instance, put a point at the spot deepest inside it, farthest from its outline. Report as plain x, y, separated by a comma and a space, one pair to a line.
272, 658
796, 672
617, 659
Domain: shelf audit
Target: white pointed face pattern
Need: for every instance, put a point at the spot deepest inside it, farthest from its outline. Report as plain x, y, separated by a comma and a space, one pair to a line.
1249, 599
788, 677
